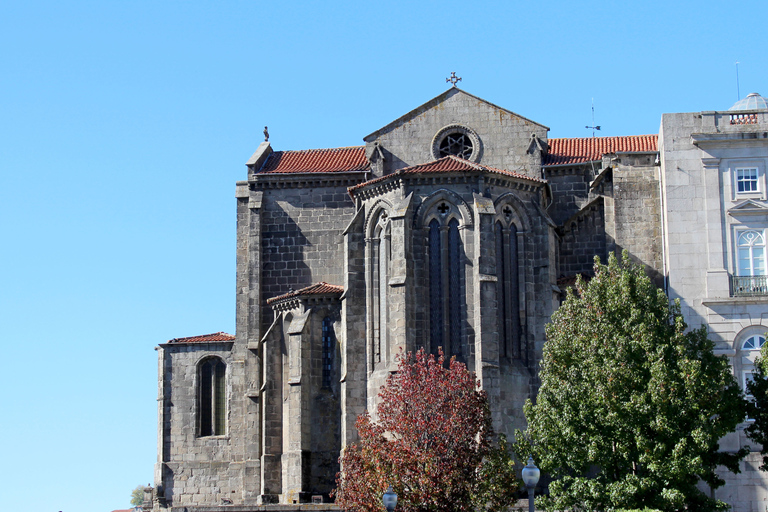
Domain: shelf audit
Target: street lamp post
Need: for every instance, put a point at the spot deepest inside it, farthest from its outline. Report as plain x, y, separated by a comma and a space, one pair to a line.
531, 478
390, 499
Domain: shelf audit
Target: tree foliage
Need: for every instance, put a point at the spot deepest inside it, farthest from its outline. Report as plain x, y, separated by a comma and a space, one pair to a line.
631, 407
757, 388
432, 443
137, 496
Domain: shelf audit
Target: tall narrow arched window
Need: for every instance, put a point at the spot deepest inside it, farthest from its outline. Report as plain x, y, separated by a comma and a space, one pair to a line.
328, 351
212, 397
502, 298
508, 291
751, 253
753, 340
446, 267
435, 286
379, 269
455, 297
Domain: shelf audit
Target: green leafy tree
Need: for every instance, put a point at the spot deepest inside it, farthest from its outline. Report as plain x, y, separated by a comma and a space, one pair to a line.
432, 443
758, 407
631, 406
137, 496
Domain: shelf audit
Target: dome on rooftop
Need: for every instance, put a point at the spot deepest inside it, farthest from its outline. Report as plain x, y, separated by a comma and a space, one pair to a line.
753, 101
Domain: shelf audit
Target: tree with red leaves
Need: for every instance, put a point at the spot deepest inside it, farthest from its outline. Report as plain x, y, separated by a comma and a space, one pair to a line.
431, 443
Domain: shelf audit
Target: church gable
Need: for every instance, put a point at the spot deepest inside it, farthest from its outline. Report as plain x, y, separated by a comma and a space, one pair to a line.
456, 123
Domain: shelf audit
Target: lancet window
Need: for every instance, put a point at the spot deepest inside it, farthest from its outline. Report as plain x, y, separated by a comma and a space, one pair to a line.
508, 292
212, 396
379, 277
328, 351
446, 279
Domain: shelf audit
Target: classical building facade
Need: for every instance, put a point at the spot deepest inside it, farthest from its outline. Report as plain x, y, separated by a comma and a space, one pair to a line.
715, 207
458, 225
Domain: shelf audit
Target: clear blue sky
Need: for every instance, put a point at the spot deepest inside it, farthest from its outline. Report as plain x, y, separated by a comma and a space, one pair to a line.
124, 126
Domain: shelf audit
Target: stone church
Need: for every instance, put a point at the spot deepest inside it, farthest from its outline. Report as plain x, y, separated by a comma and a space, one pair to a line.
457, 225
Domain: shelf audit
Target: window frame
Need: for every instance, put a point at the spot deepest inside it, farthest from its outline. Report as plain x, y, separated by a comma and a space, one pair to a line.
741, 167
214, 422
760, 344
737, 247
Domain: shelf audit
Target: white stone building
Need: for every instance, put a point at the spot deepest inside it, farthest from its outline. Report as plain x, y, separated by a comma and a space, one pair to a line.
715, 209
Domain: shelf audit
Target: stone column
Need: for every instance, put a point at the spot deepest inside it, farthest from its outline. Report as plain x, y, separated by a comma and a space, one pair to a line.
354, 349
400, 232
271, 398
486, 305
718, 282
296, 427
245, 410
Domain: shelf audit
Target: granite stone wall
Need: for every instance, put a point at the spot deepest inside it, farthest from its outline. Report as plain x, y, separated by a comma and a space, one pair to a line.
409, 140
200, 470
583, 238
633, 212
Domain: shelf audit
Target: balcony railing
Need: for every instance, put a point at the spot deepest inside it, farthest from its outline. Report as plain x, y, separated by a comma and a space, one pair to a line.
749, 286
744, 118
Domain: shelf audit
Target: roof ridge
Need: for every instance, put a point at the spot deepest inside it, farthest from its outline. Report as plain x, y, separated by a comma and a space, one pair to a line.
580, 150
317, 149
307, 290
201, 337
602, 138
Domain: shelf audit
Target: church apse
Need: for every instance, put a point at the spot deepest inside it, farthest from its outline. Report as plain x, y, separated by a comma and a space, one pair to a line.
445, 229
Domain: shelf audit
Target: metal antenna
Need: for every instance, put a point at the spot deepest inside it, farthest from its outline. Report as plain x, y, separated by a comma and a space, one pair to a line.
593, 127
738, 93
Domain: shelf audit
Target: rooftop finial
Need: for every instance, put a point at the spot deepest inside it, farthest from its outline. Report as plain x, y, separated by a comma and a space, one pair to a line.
453, 78
266, 134
594, 127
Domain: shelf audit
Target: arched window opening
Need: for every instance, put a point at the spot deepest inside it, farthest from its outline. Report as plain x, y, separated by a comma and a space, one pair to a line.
508, 289
754, 343
501, 289
751, 253
446, 267
455, 299
750, 350
328, 351
379, 278
212, 397
435, 286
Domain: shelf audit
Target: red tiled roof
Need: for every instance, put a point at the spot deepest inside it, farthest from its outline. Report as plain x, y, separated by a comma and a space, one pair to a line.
589, 149
448, 163
205, 338
350, 159
320, 288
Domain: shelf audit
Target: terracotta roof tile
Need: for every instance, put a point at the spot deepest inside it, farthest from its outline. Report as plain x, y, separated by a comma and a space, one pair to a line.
320, 288
205, 338
350, 159
446, 164
589, 149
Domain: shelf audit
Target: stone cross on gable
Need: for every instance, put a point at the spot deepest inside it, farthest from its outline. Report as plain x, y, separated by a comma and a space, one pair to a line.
454, 79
